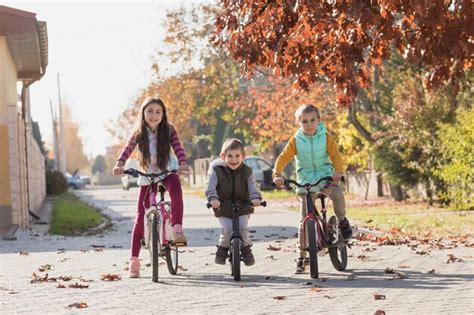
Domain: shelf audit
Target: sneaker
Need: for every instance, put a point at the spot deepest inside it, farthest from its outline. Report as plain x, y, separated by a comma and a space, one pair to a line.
221, 255
177, 235
134, 268
345, 227
247, 255
301, 264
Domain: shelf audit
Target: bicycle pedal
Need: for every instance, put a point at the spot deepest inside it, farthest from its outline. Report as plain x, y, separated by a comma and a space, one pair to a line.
181, 244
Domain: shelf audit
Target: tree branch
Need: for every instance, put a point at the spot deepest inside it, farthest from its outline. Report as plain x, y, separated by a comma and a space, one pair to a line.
352, 118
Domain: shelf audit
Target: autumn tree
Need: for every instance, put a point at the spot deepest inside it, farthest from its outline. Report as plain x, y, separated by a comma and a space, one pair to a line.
75, 157
99, 164
342, 40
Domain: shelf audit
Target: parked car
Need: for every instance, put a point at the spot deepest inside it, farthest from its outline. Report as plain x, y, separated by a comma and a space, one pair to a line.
127, 180
262, 170
86, 180
74, 182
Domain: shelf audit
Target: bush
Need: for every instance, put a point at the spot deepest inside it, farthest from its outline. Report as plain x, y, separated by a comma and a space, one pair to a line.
458, 168
56, 183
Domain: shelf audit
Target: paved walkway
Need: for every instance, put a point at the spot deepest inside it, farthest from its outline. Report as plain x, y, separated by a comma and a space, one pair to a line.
203, 287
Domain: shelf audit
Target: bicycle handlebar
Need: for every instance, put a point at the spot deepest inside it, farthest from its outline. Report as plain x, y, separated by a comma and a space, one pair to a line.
263, 204
133, 172
307, 185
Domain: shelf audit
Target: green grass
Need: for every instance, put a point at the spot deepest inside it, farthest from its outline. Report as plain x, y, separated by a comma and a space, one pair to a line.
71, 216
417, 219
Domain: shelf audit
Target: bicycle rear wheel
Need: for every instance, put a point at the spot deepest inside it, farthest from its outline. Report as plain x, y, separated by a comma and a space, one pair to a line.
313, 248
171, 254
154, 248
235, 263
338, 252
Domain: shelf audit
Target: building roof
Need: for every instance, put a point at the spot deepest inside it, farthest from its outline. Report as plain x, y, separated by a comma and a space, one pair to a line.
27, 40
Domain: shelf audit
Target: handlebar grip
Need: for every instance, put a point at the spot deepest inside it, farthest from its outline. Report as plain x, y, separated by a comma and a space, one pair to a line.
263, 203
208, 205
131, 172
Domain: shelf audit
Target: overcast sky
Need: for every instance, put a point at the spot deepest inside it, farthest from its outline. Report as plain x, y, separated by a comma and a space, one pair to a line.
103, 53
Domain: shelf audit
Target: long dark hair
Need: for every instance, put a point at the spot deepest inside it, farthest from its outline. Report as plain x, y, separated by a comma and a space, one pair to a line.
163, 143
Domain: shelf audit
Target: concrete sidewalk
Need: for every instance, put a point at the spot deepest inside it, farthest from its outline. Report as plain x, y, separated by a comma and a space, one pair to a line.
203, 287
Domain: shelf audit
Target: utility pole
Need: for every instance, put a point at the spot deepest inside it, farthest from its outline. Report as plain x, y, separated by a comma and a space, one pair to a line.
61, 127
55, 137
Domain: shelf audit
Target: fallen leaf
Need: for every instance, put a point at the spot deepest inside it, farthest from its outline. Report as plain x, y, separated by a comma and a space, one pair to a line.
329, 297
453, 259
270, 247
379, 312
388, 270
182, 268
84, 250
43, 268
110, 277
60, 286
86, 280
403, 267
78, 305
147, 265
379, 297
99, 250
431, 272
39, 279
316, 290
23, 253
78, 286
270, 257
279, 297
65, 278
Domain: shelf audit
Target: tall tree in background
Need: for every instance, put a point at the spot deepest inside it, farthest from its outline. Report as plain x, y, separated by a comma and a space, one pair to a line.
341, 40
75, 157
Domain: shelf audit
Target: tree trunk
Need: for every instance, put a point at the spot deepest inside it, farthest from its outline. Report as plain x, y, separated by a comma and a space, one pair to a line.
379, 184
396, 192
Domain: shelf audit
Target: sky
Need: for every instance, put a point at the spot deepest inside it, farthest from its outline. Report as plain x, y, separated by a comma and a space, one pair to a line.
102, 52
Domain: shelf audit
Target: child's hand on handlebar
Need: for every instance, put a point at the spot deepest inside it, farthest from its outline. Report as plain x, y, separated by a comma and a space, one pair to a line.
256, 202
279, 181
184, 168
215, 203
118, 169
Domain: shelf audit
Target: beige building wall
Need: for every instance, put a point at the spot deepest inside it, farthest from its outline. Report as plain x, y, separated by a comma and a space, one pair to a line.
8, 97
15, 193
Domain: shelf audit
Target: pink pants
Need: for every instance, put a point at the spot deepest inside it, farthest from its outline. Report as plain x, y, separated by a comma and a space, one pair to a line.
173, 187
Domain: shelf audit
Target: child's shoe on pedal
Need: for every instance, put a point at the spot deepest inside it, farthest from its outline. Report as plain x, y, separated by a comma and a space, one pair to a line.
345, 227
247, 255
134, 268
177, 235
221, 255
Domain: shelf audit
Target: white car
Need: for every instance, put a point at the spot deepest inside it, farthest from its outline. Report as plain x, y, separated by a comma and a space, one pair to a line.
262, 170
127, 180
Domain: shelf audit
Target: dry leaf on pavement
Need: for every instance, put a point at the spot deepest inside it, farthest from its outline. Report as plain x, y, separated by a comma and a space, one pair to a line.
270, 247
78, 305
110, 277
279, 297
78, 286
379, 297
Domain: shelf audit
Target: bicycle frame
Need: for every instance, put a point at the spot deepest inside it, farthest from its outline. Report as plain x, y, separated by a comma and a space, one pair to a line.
318, 219
162, 212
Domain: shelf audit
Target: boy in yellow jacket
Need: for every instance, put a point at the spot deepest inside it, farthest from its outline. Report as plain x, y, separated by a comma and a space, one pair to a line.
317, 156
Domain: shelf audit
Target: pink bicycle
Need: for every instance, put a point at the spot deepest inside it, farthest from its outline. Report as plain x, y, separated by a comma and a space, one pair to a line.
158, 225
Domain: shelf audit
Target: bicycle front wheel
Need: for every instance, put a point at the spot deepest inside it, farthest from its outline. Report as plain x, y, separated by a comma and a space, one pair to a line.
337, 250
313, 248
154, 248
171, 254
235, 252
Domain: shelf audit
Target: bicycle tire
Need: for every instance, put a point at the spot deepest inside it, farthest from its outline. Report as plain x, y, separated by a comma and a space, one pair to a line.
312, 248
235, 264
171, 254
154, 249
338, 254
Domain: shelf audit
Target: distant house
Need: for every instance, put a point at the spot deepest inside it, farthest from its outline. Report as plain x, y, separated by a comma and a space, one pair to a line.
23, 58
